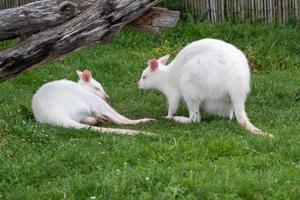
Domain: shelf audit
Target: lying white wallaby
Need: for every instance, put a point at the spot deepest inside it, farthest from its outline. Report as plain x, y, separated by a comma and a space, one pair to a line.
208, 73
78, 105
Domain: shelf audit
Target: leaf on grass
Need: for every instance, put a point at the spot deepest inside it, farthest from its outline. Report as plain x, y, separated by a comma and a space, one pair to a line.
254, 66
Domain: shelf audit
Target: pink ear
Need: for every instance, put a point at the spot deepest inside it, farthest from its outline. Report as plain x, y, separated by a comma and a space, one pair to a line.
86, 75
153, 64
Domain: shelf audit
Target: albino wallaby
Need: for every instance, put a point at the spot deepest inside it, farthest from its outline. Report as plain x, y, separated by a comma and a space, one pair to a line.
207, 73
78, 105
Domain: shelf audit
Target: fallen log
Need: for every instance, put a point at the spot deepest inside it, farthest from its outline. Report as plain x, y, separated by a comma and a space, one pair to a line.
38, 16
41, 15
99, 23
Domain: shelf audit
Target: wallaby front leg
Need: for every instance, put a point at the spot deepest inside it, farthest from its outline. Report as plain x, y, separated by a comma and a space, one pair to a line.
173, 106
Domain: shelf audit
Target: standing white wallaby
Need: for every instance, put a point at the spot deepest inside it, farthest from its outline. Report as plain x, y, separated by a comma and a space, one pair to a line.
78, 105
208, 73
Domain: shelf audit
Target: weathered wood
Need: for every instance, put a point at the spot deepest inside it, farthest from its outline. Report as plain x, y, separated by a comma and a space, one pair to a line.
42, 15
38, 16
98, 23
155, 21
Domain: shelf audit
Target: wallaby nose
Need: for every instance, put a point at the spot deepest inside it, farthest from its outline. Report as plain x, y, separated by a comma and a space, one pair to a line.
138, 85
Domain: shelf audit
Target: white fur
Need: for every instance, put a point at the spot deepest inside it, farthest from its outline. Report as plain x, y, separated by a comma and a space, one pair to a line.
73, 105
207, 73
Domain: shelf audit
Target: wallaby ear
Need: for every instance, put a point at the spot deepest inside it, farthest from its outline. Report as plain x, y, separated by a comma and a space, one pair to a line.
153, 63
79, 73
86, 75
164, 59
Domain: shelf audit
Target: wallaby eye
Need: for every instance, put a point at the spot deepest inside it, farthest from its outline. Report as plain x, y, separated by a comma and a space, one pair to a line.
98, 89
144, 77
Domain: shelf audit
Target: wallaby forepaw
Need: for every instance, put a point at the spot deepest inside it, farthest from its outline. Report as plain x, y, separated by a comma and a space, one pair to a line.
102, 120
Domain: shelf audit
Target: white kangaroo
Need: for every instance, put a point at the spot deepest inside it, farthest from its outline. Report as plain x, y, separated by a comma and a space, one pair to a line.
207, 73
78, 105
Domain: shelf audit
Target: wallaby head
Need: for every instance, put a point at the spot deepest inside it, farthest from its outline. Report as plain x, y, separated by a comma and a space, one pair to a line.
151, 76
86, 80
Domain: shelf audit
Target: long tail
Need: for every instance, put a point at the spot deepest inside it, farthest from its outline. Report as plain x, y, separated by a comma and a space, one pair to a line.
242, 118
73, 124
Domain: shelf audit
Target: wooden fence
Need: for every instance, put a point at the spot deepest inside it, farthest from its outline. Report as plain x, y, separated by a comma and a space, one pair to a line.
280, 11
13, 3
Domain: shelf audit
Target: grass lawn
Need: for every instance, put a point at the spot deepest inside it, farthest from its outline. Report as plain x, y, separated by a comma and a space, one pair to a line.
216, 159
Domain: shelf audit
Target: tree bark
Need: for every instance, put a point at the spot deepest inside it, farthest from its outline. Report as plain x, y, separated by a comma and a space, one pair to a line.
98, 23
38, 16
44, 14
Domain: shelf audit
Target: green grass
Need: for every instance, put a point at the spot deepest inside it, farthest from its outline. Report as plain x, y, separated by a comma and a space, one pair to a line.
216, 159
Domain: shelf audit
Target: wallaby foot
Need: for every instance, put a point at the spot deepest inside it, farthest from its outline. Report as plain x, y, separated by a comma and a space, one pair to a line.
168, 117
181, 119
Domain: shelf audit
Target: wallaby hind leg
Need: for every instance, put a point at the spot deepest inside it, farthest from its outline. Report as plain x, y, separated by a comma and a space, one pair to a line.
189, 92
193, 107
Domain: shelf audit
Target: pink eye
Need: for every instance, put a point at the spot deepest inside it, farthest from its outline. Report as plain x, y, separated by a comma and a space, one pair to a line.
144, 77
